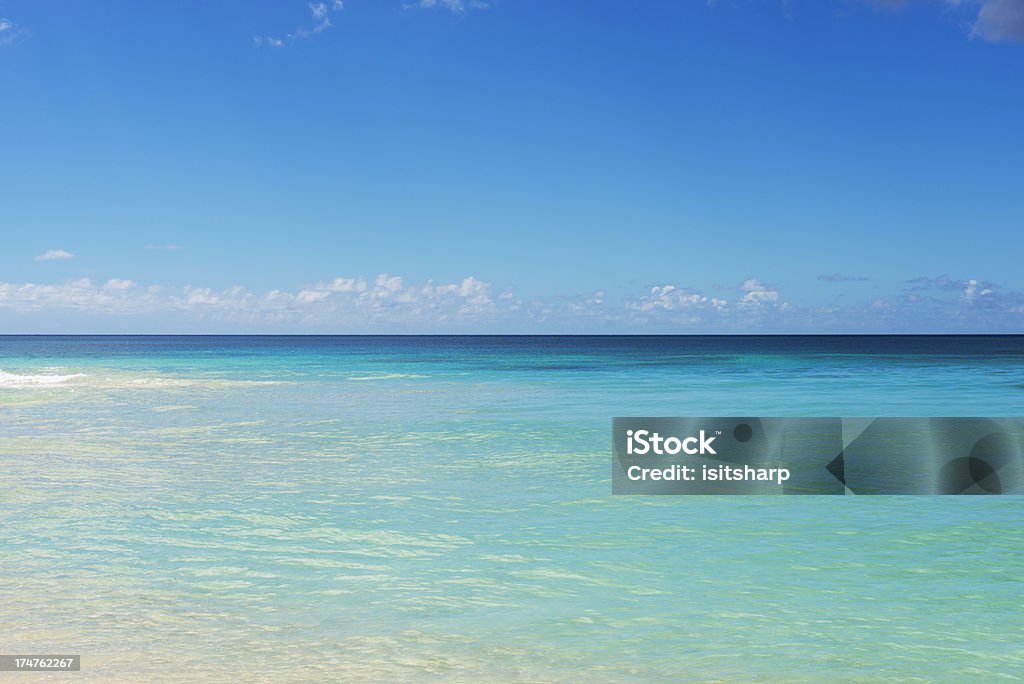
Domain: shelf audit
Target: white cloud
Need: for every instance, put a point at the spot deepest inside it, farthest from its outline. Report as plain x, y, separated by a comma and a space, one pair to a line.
388, 299
9, 31
757, 305
972, 293
347, 285
668, 305
269, 41
386, 285
456, 6
309, 296
320, 15
54, 255
972, 289
453, 5
115, 296
202, 296
756, 292
167, 247
671, 298
391, 303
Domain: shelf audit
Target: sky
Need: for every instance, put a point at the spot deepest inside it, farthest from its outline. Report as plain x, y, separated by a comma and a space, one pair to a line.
512, 166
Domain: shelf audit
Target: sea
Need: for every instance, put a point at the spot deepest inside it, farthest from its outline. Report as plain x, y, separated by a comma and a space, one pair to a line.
439, 508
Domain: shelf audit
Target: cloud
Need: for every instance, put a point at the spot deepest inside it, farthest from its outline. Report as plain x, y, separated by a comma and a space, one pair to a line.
925, 282
995, 21
346, 285
672, 298
387, 298
320, 14
456, 6
54, 255
115, 296
756, 292
838, 278
1000, 20
389, 302
9, 32
453, 5
946, 284
310, 296
166, 247
972, 293
269, 41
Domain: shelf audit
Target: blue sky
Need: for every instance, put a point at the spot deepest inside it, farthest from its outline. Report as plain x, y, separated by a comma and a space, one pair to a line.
512, 166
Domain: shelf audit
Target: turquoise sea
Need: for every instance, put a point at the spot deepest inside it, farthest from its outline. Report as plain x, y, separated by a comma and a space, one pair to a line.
440, 509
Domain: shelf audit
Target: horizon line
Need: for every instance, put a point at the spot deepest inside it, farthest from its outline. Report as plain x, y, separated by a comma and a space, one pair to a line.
877, 334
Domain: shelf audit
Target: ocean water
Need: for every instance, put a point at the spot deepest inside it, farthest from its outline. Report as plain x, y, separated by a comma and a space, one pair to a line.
440, 509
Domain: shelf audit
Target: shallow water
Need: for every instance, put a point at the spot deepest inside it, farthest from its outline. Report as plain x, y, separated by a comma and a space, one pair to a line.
439, 508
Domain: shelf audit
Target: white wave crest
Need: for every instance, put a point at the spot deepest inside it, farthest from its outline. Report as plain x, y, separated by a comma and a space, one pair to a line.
114, 379
385, 376
41, 380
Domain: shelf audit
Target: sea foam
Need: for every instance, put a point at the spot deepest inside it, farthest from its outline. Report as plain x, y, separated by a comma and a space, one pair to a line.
39, 380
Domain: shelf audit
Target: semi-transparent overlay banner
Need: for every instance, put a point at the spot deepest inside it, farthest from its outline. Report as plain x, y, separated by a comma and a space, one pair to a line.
857, 455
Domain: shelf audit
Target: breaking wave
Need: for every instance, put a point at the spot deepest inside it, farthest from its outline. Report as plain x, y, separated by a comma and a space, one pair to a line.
112, 379
39, 380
